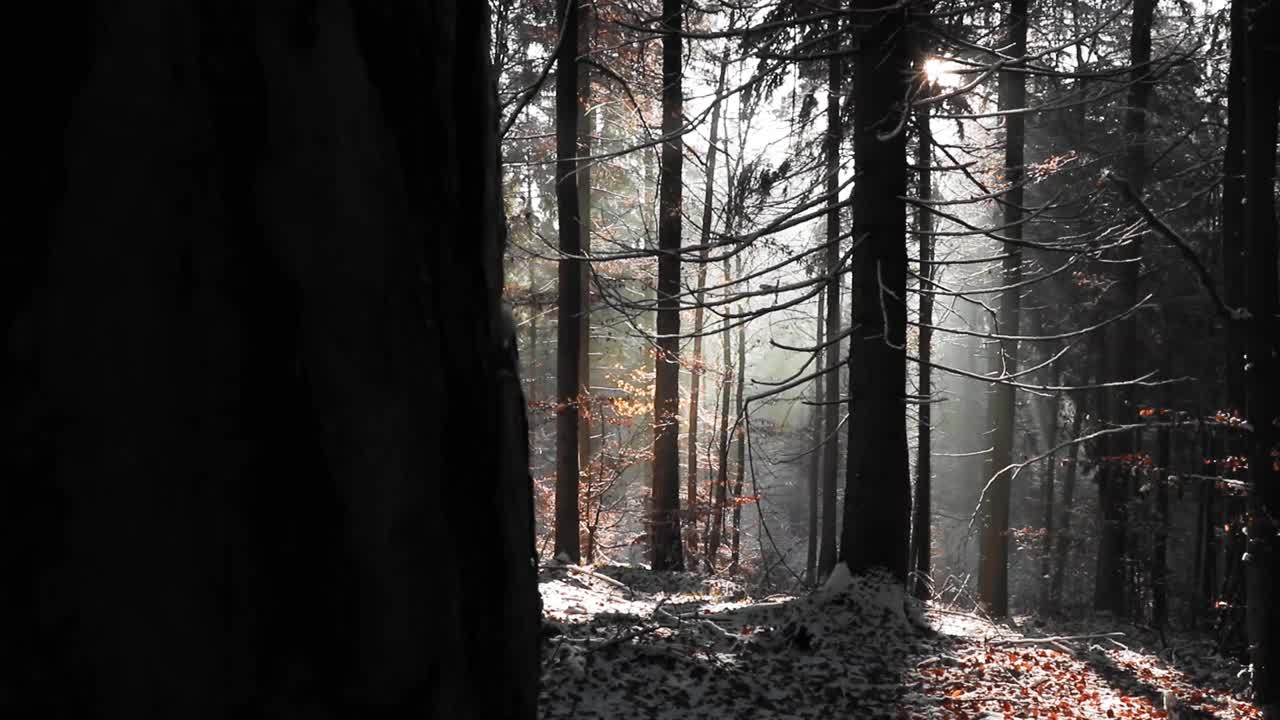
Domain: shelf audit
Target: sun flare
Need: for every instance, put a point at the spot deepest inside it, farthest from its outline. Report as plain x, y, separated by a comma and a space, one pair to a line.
942, 72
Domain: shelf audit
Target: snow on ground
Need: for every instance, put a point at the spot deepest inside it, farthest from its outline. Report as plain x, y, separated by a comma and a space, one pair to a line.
623, 642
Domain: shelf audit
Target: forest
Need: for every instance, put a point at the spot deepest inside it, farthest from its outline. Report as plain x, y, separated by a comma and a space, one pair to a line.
980, 296
642, 358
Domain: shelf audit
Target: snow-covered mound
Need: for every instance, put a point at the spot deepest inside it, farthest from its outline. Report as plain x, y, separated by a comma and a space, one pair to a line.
656, 653
623, 642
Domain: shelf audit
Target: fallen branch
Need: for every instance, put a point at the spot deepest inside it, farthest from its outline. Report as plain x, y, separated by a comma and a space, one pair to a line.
1056, 639
702, 622
604, 578
624, 637
730, 613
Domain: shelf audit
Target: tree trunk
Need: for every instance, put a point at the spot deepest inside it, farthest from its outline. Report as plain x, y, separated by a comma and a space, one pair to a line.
742, 445
1050, 430
1159, 570
831, 410
586, 29
1115, 474
877, 510
1262, 374
815, 460
993, 572
696, 368
568, 328
1219, 514
535, 394
1063, 546
721, 487
235, 488
667, 552
1200, 589
1234, 261
921, 525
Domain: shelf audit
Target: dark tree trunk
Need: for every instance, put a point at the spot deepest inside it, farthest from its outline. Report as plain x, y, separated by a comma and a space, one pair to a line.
1218, 514
1207, 546
831, 410
1262, 375
1234, 261
1115, 475
922, 521
667, 552
993, 572
250, 392
568, 329
1159, 570
877, 510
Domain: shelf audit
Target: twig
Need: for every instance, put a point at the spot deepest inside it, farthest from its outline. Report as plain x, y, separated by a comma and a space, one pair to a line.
1206, 280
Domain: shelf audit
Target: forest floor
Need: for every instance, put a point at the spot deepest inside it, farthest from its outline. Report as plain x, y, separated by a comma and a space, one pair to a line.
624, 642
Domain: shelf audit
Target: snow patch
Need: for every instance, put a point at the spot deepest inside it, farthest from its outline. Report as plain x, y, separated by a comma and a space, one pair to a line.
876, 593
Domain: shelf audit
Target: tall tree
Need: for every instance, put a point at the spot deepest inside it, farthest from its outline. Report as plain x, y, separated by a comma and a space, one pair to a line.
1233, 257
1109, 590
1050, 411
1159, 569
1262, 374
815, 459
720, 488
831, 409
585, 129
741, 467
253, 380
993, 571
665, 522
697, 366
569, 328
878, 492
921, 524
1062, 546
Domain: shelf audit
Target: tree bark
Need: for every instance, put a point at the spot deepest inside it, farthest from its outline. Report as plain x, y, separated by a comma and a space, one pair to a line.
237, 492
993, 572
667, 552
568, 328
877, 510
